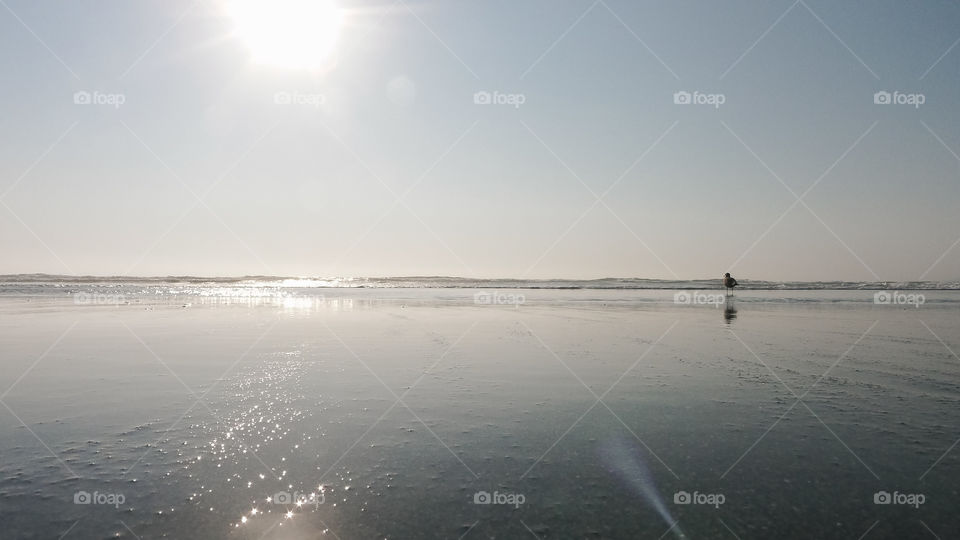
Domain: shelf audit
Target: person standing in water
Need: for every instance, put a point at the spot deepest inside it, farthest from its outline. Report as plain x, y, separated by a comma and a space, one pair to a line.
729, 282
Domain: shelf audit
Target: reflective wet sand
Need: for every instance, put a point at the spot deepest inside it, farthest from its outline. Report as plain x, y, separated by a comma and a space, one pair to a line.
421, 414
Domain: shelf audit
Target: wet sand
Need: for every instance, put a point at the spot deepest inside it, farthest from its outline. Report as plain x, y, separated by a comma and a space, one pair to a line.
390, 414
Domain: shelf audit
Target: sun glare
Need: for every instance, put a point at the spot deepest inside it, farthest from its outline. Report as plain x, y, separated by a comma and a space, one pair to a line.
288, 33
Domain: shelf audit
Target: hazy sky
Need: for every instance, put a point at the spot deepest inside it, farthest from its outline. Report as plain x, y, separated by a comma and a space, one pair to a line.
504, 189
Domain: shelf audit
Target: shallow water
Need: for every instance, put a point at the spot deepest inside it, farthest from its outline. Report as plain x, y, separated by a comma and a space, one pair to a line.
385, 412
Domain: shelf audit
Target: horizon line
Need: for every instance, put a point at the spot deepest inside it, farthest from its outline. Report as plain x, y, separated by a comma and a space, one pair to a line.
421, 277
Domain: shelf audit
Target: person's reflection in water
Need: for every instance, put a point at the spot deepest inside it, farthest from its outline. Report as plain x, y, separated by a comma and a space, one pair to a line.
729, 310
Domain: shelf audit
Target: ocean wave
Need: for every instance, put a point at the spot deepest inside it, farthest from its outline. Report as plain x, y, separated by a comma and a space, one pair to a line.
36, 282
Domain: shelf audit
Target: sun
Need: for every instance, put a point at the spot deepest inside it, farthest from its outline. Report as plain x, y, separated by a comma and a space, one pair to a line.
288, 33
